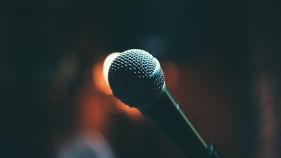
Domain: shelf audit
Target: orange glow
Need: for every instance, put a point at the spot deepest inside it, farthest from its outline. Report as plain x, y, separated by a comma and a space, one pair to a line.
106, 64
100, 72
99, 78
93, 114
130, 111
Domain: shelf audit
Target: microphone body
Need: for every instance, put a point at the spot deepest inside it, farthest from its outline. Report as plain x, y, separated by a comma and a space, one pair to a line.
168, 116
136, 78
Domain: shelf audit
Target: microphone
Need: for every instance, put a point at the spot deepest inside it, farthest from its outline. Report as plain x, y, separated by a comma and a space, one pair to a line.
136, 78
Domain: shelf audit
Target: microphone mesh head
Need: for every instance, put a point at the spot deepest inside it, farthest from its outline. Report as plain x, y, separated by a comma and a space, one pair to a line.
136, 78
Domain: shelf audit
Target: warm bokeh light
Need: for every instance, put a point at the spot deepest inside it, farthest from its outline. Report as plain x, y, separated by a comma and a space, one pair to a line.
130, 111
100, 73
93, 112
107, 62
100, 82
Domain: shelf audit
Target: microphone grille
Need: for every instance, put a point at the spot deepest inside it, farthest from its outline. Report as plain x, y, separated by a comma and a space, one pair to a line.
135, 77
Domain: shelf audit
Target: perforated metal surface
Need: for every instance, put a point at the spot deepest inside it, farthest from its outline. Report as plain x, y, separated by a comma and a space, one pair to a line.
136, 78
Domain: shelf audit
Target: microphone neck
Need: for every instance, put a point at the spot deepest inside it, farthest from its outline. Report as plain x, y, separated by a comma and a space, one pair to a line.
176, 125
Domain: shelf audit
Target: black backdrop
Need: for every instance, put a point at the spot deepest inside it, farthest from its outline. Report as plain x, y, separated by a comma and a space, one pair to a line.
238, 41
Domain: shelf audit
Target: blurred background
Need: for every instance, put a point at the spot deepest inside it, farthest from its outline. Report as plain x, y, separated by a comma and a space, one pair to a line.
220, 58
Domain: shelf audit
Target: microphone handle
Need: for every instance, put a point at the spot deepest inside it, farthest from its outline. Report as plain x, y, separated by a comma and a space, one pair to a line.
168, 116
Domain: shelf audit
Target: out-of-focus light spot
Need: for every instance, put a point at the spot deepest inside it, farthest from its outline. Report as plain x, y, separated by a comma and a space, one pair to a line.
133, 113
100, 73
100, 81
93, 114
107, 62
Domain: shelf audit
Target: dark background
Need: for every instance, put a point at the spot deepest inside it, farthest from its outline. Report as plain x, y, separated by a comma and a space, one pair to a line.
226, 54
